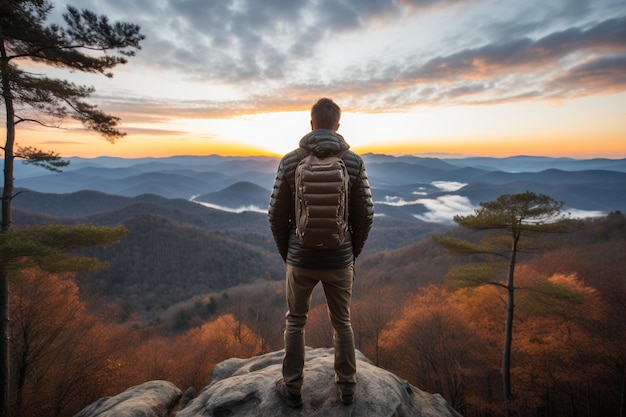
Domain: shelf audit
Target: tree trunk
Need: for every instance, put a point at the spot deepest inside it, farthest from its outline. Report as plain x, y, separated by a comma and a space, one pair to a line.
506, 352
5, 225
4, 343
508, 327
7, 191
622, 403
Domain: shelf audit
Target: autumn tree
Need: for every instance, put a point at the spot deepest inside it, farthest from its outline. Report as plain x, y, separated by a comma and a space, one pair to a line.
427, 344
63, 357
558, 353
48, 247
209, 344
87, 43
599, 265
505, 222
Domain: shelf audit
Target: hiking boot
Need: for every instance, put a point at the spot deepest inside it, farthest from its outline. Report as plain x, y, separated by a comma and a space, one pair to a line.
292, 400
346, 398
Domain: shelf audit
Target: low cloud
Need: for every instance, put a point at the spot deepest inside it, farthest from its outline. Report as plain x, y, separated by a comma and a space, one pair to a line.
439, 210
443, 209
448, 185
398, 201
584, 214
241, 209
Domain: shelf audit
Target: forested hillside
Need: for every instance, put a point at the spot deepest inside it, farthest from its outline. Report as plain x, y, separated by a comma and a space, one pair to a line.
177, 249
409, 318
161, 262
190, 286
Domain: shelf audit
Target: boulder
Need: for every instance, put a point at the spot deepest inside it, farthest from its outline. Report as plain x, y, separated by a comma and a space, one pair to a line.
150, 399
246, 387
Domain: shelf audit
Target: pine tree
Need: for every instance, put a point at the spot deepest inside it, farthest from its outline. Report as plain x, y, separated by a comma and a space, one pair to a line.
87, 43
506, 220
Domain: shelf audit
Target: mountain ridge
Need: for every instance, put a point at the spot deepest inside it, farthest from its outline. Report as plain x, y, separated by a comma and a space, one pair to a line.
404, 187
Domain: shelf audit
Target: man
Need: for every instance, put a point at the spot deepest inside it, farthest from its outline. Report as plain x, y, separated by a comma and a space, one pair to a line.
306, 267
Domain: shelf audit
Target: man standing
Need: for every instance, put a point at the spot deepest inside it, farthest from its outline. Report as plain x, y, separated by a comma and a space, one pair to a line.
305, 267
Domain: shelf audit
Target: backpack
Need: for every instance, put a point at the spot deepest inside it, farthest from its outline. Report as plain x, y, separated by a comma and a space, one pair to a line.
322, 186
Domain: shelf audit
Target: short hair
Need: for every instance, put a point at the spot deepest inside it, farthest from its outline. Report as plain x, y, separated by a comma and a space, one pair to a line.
325, 114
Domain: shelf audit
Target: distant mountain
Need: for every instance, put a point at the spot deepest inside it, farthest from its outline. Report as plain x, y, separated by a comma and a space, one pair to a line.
172, 184
401, 173
173, 177
602, 198
404, 187
240, 194
556, 176
103, 209
537, 163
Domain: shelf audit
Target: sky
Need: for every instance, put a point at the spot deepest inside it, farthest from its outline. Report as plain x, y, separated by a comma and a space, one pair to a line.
425, 77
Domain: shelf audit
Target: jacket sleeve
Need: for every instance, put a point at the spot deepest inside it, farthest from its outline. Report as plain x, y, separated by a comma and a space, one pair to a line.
361, 210
280, 210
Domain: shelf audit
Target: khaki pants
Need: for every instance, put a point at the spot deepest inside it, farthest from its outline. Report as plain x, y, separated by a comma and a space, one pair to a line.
337, 284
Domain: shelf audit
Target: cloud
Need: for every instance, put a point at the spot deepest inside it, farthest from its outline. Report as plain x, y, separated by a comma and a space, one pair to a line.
153, 132
584, 214
520, 69
396, 201
443, 209
274, 52
439, 210
517, 69
448, 185
603, 75
241, 209
249, 40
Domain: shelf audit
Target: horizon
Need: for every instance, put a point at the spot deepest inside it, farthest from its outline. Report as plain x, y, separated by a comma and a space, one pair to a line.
415, 155
479, 79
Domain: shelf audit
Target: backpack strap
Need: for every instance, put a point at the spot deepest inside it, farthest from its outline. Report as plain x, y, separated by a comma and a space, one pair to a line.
302, 153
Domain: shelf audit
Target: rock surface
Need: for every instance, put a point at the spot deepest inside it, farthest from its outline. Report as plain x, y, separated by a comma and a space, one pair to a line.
151, 399
245, 387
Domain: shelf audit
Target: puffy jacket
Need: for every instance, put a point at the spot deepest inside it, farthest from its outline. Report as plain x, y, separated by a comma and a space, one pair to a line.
281, 210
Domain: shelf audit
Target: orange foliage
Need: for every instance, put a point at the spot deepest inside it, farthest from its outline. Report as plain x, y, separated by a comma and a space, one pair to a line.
201, 348
568, 338
61, 355
318, 330
430, 345
451, 343
554, 338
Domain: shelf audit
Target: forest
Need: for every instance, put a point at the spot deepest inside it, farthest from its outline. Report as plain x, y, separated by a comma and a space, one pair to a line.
71, 347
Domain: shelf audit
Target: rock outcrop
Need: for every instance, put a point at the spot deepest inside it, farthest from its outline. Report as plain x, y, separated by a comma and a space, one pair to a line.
151, 399
245, 387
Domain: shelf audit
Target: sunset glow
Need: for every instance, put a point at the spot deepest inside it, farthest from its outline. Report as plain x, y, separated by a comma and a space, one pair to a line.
478, 78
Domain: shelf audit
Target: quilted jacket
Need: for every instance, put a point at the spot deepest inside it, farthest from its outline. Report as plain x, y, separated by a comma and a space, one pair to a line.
282, 206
